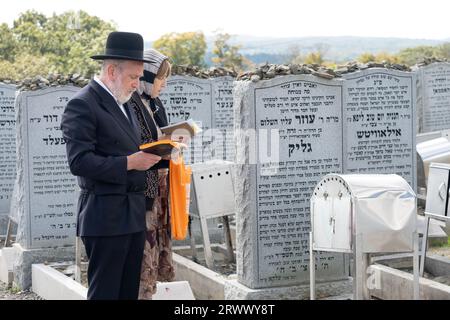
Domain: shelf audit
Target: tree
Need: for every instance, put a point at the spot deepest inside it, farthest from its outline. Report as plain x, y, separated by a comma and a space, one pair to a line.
411, 56
226, 55
29, 32
444, 51
366, 57
8, 43
314, 58
183, 48
75, 36
37, 44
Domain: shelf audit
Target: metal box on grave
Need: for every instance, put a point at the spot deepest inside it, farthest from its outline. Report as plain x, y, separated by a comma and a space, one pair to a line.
363, 214
437, 204
435, 150
212, 196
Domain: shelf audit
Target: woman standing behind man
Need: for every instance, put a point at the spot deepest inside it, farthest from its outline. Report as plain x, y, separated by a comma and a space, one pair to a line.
157, 264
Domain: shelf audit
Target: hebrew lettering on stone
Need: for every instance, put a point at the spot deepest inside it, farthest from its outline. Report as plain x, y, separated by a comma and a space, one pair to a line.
379, 123
308, 116
223, 116
50, 187
185, 98
7, 146
435, 96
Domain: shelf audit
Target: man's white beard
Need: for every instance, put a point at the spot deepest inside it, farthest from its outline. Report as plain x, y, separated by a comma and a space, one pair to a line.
121, 100
119, 93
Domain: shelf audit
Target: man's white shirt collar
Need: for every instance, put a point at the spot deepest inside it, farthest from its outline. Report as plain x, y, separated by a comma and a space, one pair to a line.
100, 82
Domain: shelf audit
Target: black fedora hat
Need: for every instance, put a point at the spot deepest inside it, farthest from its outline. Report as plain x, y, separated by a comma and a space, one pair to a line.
124, 46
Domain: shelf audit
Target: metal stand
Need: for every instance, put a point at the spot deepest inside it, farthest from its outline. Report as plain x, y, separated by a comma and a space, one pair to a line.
207, 244
416, 293
361, 262
8, 233
228, 241
312, 269
424, 245
428, 216
78, 246
212, 196
192, 238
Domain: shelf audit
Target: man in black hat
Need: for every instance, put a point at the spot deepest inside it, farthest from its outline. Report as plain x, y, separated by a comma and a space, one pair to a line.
102, 140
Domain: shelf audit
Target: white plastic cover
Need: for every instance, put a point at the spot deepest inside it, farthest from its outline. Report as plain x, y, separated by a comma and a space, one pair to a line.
383, 209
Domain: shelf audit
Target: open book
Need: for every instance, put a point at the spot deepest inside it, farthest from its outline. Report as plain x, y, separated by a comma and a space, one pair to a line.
183, 127
161, 148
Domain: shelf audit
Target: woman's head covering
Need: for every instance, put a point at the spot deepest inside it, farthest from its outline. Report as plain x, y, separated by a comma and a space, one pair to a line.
150, 70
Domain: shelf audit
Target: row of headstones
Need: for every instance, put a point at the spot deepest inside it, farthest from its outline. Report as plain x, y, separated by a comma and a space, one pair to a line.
42, 196
364, 123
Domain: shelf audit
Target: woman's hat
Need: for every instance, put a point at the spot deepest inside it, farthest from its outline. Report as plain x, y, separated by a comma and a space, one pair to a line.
124, 46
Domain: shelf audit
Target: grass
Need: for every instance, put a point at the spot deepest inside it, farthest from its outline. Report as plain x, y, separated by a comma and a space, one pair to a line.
14, 290
440, 244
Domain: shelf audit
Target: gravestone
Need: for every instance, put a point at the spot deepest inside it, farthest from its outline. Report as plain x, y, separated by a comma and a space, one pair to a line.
223, 116
7, 151
434, 97
45, 191
273, 188
209, 103
188, 97
380, 123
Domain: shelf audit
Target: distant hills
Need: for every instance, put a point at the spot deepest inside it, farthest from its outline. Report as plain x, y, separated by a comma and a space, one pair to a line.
340, 49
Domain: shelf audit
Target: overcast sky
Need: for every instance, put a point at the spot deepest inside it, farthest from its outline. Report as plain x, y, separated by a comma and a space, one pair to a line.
418, 19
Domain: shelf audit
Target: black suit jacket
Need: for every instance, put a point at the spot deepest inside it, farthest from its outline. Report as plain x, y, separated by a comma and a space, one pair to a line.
98, 139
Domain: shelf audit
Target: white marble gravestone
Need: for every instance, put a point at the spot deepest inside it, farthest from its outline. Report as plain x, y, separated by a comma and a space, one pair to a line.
380, 123
7, 151
434, 97
45, 190
272, 198
188, 97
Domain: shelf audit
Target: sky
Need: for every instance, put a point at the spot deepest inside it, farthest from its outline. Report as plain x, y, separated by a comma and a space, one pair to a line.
415, 19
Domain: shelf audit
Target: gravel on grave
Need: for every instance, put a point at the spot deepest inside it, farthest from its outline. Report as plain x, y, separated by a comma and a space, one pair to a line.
13, 294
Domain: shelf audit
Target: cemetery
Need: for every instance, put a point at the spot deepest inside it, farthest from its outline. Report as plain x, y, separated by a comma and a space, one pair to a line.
307, 183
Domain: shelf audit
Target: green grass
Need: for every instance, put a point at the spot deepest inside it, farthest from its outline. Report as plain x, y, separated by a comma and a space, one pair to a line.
14, 290
440, 244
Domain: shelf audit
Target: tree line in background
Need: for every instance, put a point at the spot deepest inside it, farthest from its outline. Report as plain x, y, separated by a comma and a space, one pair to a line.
40, 45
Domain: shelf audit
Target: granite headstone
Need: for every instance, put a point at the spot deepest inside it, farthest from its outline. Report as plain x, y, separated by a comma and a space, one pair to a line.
191, 98
272, 195
7, 151
380, 123
434, 97
46, 192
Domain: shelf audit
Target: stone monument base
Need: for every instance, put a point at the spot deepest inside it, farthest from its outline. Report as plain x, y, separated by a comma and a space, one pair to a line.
237, 291
25, 258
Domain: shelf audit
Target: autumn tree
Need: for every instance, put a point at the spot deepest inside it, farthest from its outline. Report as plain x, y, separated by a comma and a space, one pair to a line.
227, 55
411, 56
183, 48
366, 57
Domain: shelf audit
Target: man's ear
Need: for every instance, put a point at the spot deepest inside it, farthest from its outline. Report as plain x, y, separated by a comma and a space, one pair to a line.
112, 72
